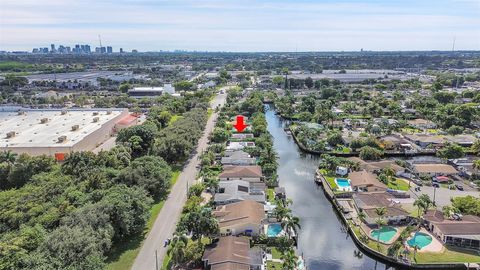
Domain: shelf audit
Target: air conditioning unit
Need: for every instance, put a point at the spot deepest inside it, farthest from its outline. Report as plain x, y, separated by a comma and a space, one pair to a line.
21, 112
63, 112
11, 134
109, 112
95, 113
43, 120
62, 139
96, 119
75, 127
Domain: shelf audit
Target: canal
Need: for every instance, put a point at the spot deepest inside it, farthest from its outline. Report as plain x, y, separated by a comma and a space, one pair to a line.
323, 239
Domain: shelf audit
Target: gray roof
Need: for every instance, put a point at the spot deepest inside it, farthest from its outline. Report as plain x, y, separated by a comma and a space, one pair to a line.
239, 190
237, 158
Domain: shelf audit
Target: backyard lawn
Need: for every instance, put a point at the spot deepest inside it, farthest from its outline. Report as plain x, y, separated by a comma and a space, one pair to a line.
398, 184
271, 195
274, 265
449, 255
330, 179
123, 254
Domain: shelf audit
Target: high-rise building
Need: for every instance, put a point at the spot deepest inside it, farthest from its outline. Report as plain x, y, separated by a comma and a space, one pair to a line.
77, 48
121, 50
67, 48
52, 48
109, 49
87, 49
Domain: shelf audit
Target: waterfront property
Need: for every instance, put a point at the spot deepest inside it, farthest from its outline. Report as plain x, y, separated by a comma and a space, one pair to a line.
368, 202
231, 252
365, 181
246, 173
462, 232
245, 217
238, 157
239, 190
232, 146
273, 230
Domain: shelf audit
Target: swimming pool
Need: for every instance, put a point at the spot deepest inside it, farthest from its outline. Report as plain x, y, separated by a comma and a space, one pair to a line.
343, 184
273, 230
386, 233
420, 239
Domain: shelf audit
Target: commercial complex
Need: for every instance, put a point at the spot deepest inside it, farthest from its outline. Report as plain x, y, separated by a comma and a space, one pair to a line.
59, 132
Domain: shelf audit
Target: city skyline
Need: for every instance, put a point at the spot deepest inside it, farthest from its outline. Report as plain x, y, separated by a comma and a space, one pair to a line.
250, 25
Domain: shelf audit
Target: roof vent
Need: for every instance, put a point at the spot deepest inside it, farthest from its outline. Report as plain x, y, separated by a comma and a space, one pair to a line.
62, 139
43, 120
63, 112
95, 113
75, 127
11, 134
96, 119
21, 113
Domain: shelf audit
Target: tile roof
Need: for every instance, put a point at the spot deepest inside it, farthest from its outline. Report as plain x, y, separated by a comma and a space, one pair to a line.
240, 213
241, 172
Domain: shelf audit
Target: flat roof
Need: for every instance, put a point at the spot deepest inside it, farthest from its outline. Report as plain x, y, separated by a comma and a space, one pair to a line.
30, 132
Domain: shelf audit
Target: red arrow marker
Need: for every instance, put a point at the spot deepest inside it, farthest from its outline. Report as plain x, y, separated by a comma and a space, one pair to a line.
240, 125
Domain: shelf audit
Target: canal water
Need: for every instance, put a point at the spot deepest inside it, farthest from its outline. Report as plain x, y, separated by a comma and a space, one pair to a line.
323, 239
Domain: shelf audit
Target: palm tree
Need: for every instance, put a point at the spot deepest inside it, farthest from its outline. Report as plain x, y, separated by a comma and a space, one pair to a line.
476, 164
289, 260
177, 249
423, 202
291, 224
380, 222
281, 210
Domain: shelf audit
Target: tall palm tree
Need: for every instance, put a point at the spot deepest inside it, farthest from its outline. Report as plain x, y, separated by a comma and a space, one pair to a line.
281, 212
423, 202
291, 224
289, 260
381, 211
177, 248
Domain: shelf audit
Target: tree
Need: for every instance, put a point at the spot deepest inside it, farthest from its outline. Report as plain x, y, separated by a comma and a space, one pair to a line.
199, 222
281, 210
423, 202
177, 247
370, 153
335, 139
309, 82
290, 224
8, 156
467, 205
142, 143
123, 88
79, 163
148, 172
289, 259
476, 147
451, 150
380, 212
220, 135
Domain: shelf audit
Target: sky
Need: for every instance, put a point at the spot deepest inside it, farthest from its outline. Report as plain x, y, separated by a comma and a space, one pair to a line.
246, 25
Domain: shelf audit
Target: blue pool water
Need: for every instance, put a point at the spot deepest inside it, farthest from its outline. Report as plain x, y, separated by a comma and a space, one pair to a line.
274, 229
420, 239
343, 184
386, 234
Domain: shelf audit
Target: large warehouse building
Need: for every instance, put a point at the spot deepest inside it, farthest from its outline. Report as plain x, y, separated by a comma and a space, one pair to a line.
59, 132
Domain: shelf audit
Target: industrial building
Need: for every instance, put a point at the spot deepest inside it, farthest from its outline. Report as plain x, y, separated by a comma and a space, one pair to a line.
151, 92
59, 132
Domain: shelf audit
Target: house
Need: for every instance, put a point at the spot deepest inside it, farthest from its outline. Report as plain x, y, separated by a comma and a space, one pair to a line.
463, 232
378, 166
434, 169
238, 157
239, 190
239, 145
426, 140
464, 140
365, 181
247, 173
421, 123
466, 168
242, 136
245, 217
395, 143
232, 252
367, 202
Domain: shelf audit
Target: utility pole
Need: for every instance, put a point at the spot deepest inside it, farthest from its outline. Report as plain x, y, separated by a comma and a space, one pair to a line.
156, 260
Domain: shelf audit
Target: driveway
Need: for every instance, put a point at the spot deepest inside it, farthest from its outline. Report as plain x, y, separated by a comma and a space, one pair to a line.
166, 221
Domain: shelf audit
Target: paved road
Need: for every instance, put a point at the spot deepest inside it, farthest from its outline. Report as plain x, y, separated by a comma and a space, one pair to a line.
166, 221
443, 195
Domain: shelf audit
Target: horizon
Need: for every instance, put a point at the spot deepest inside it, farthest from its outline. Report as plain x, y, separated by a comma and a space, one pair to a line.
243, 26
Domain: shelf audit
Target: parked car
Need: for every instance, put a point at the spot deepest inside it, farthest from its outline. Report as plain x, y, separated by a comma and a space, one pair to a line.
459, 187
435, 185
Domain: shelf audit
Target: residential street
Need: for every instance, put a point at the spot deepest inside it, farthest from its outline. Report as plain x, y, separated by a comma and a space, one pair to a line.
166, 221
442, 195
